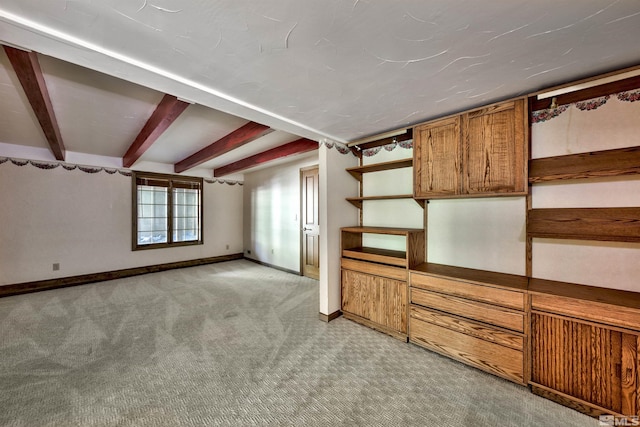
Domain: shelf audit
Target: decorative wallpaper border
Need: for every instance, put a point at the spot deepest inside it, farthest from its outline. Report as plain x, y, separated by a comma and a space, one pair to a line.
588, 105
91, 169
340, 147
369, 152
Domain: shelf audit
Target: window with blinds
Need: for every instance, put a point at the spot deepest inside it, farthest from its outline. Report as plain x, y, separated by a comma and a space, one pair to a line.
167, 210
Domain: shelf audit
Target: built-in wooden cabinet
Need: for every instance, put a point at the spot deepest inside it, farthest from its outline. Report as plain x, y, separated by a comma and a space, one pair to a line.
586, 347
374, 280
476, 317
479, 153
437, 158
577, 345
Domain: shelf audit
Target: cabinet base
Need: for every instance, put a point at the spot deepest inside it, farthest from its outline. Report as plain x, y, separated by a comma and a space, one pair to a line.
368, 323
571, 402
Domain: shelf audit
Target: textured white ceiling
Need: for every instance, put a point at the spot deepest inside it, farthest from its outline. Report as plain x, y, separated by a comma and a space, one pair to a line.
335, 69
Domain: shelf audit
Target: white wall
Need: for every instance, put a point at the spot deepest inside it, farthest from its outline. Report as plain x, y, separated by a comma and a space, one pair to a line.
83, 222
389, 213
485, 233
606, 264
271, 220
335, 185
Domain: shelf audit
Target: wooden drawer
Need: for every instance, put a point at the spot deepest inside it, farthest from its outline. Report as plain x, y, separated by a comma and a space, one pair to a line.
469, 327
488, 294
374, 269
615, 315
493, 358
482, 312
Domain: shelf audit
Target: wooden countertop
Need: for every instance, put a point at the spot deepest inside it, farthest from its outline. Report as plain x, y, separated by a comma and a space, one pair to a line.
482, 277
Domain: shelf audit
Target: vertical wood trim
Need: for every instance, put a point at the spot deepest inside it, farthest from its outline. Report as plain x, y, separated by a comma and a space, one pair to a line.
629, 375
637, 375
616, 371
585, 345
529, 199
361, 193
520, 150
527, 340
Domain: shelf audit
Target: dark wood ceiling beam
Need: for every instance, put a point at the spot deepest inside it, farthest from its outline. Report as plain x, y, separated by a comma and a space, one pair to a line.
235, 139
27, 68
167, 111
296, 147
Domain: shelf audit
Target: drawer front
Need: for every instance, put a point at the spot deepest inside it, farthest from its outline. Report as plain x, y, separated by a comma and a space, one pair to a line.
503, 297
624, 317
493, 358
469, 327
470, 309
375, 269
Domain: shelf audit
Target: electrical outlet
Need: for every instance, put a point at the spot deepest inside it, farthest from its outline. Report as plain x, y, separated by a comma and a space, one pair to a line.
56, 266
249, 251
272, 251
227, 247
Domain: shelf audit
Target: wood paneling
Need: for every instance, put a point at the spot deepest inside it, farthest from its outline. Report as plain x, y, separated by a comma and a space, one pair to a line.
482, 312
496, 359
595, 164
436, 159
591, 363
494, 149
602, 224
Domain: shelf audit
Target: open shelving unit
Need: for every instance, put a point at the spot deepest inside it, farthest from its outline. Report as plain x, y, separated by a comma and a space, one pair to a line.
358, 171
412, 256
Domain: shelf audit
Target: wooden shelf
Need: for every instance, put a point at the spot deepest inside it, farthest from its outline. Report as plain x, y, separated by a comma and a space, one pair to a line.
357, 201
595, 164
470, 275
605, 296
352, 247
600, 224
357, 172
385, 256
383, 230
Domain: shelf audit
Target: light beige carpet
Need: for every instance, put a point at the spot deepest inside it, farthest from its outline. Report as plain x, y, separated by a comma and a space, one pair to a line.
233, 344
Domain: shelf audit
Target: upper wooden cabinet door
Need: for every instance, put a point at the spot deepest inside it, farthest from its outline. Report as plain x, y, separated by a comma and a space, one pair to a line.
436, 159
493, 141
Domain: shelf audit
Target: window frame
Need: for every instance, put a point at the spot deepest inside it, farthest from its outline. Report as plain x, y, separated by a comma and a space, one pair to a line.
170, 179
